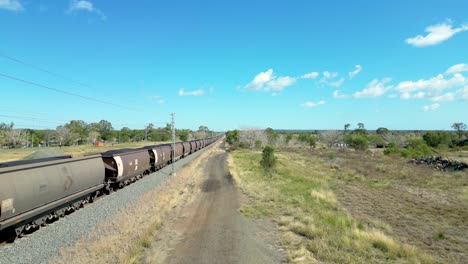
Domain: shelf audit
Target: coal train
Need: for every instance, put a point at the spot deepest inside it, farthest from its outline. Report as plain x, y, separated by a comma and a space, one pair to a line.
36, 192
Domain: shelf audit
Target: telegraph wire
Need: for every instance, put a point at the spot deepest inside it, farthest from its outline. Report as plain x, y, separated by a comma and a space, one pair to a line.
42, 69
65, 92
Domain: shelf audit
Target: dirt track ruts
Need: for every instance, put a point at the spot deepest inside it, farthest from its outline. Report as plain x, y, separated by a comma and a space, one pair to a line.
212, 229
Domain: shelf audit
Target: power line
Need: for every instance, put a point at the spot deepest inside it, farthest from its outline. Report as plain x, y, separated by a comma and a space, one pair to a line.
43, 70
65, 92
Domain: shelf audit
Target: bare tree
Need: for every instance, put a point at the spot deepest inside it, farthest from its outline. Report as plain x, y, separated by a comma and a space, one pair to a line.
92, 136
331, 137
63, 134
459, 128
399, 139
249, 135
17, 137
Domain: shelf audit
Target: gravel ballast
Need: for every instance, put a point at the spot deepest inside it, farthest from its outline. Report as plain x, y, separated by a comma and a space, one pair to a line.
47, 242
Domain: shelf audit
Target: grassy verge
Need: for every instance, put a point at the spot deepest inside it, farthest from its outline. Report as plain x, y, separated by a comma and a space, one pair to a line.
300, 197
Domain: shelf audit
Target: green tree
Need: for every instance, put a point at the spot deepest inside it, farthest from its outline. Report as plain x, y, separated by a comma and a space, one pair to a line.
435, 138
232, 137
183, 134
268, 158
382, 131
346, 127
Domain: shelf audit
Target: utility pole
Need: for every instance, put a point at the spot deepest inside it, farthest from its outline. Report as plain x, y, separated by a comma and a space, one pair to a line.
173, 144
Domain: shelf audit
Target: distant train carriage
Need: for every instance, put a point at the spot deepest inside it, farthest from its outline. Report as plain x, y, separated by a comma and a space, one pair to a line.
193, 146
187, 149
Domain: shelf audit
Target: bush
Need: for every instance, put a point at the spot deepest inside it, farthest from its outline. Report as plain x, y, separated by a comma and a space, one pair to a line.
308, 139
435, 138
392, 149
232, 137
358, 142
268, 158
258, 144
416, 148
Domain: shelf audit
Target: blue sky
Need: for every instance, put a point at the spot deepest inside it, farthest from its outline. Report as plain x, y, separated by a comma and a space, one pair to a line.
236, 64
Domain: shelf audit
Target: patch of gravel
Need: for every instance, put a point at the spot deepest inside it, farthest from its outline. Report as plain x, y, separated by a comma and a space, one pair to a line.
47, 242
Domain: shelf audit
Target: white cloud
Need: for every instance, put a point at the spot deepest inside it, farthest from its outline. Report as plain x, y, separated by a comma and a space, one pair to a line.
431, 107
328, 79
375, 88
337, 95
457, 68
82, 5
463, 93
436, 34
280, 83
310, 75
182, 92
260, 80
313, 104
435, 84
329, 75
11, 5
444, 97
355, 72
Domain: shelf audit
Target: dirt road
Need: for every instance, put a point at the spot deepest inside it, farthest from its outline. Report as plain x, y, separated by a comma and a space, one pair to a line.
211, 229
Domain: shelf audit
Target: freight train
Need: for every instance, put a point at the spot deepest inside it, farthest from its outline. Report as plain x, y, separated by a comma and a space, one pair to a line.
36, 192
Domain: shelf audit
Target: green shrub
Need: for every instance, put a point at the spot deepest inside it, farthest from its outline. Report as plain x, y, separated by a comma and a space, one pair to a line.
392, 149
358, 142
258, 144
268, 158
416, 148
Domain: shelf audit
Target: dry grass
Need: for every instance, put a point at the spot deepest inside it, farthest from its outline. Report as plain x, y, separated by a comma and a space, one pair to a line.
300, 197
76, 151
125, 238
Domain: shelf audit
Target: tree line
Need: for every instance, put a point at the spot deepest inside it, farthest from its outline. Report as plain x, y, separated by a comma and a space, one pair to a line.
407, 144
79, 132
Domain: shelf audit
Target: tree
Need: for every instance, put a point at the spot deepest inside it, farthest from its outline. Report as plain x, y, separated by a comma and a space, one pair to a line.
382, 131
360, 125
308, 139
435, 138
459, 128
268, 158
79, 128
346, 127
288, 138
331, 137
106, 129
232, 137
183, 134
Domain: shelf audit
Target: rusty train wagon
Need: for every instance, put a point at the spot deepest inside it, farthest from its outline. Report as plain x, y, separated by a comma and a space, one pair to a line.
160, 156
187, 150
193, 146
35, 191
124, 166
179, 150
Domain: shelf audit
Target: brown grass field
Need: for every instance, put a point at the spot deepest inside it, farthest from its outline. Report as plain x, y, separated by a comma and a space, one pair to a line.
351, 207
